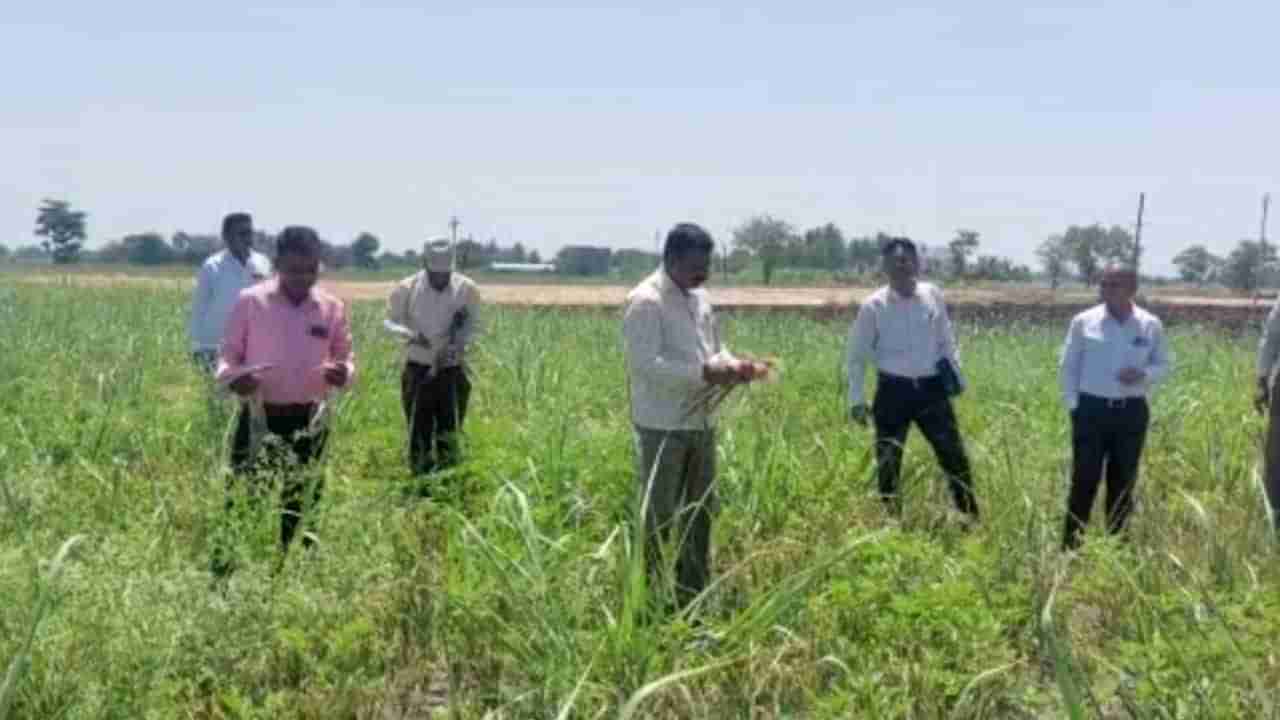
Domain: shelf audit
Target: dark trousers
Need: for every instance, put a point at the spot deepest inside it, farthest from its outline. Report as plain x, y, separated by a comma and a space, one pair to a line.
1104, 433
1272, 459
900, 402
434, 406
285, 452
676, 470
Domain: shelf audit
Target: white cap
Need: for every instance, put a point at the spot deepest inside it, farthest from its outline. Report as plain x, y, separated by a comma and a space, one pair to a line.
439, 255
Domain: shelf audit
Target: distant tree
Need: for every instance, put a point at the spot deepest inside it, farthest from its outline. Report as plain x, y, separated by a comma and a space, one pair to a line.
518, 253
1196, 264
30, 253
535, 257
959, 249
1093, 245
1245, 266
739, 259
469, 253
765, 237
63, 230
999, 269
193, 249
1054, 255
4, 253
826, 248
147, 249
864, 253
364, 250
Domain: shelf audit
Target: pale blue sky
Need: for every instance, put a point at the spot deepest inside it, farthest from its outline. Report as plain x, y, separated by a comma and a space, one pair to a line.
557, 125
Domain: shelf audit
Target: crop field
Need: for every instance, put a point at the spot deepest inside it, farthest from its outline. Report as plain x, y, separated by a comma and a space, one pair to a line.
516, 591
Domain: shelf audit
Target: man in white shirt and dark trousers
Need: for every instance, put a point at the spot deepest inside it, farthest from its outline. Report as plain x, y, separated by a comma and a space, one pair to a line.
673, 351
905, 331
1267, 403
441, 310
218, 284
1114, 353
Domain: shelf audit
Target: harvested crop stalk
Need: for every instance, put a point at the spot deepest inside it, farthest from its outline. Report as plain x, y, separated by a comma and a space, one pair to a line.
707, 400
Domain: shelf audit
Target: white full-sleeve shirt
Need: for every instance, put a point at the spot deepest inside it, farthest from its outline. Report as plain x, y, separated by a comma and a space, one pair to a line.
670, 334
1269, 344
1098, 347
218, 284
901, 336
434, 313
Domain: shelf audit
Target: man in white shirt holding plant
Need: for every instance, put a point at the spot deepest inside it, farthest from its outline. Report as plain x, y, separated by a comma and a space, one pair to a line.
674, 353
904, 330
438, 312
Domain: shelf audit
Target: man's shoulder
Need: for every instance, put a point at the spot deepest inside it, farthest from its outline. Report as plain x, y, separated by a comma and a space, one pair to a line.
325, 298
1145, 317
647, 290
929, 290
876, 299
214, 261
260, 260
1090, 314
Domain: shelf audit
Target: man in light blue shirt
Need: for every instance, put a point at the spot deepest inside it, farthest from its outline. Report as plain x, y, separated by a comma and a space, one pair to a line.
218, 283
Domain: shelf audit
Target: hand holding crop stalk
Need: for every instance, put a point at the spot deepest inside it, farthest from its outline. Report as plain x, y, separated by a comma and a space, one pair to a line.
335, 373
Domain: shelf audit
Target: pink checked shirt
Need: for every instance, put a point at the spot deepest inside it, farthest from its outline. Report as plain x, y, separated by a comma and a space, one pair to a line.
265, 327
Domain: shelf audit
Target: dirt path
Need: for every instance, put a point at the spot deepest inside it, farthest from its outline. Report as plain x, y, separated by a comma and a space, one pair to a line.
726, 297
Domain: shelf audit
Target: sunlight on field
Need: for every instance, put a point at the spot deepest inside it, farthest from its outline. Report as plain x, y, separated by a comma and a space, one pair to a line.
512, 597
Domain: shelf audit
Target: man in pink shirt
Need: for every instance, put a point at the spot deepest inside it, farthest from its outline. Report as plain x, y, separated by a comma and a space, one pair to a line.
287, 344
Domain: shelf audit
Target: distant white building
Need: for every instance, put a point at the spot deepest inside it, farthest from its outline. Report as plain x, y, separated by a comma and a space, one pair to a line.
523, 267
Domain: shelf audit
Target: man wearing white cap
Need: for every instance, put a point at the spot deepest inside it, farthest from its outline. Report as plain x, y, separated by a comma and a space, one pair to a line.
437, 311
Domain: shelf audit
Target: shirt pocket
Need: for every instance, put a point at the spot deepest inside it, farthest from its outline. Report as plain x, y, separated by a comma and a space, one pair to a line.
1138, 352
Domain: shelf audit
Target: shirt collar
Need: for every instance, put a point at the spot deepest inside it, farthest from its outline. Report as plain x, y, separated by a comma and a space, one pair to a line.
275, 293
667, 285
895, 296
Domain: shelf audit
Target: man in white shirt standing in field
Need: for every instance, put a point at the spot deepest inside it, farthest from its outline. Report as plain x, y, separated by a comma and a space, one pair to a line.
218, 283
905, 331
672, 346
1267, 402
440, 309
1114, 354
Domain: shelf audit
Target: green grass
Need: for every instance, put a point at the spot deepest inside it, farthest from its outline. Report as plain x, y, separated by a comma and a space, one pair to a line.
516, 598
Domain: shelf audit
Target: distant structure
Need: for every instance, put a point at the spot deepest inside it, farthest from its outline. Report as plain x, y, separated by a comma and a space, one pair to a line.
507, 267
584, 260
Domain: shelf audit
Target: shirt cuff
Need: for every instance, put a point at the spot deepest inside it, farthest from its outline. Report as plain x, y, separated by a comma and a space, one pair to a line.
1072, 401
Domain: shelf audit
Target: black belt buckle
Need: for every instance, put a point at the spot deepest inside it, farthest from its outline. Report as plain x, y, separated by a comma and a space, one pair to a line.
1116, 403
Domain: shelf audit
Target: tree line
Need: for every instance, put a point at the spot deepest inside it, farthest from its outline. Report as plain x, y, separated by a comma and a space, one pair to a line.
764, 241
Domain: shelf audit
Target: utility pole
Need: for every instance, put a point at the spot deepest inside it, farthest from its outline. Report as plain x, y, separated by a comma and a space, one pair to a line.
453, 230
1262, 230
1137, 234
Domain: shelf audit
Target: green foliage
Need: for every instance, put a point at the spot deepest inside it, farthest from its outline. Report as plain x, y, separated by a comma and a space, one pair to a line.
515, 593
1197, 265
62, 228
1247, 264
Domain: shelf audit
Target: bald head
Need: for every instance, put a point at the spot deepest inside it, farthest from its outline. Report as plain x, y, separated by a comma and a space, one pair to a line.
1118, 286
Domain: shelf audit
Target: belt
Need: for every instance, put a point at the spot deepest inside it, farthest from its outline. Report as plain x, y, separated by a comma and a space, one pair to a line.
289, 409
916, 383
1113, 403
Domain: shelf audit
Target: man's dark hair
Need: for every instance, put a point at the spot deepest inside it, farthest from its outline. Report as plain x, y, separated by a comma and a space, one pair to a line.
298, 240
235, 218
903, 242
686, 238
